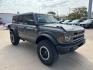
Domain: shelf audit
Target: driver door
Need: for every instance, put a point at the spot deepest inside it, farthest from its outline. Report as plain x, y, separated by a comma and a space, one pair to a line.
30, 28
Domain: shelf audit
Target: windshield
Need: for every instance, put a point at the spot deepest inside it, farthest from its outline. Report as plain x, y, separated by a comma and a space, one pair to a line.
75, 21
66, 21
42, 19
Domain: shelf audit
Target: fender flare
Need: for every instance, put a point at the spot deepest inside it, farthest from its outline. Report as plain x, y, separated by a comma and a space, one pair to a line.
46, 36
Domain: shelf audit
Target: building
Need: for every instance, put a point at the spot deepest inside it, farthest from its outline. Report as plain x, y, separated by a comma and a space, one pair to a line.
6, 18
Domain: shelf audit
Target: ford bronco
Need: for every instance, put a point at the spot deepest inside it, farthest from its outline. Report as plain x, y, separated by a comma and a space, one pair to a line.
51, 37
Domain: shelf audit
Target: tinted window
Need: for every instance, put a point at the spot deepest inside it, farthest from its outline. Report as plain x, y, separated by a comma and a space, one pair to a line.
20, 19
24, 19
67, 21
29, 19
17, 19
14, 20
75, 21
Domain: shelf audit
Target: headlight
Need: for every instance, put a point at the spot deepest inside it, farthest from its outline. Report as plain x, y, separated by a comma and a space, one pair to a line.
64, 38
61, 38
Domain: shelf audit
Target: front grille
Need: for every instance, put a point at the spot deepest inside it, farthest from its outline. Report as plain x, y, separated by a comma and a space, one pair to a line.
78, 35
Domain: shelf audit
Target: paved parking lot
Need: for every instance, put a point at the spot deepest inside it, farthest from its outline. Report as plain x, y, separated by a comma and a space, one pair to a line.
24, 56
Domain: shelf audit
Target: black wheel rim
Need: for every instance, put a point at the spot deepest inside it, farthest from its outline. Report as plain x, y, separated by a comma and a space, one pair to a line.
44, 53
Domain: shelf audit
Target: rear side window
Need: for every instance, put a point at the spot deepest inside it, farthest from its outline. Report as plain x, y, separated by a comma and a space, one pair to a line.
29, 19
20, 19
17, 19
14, 20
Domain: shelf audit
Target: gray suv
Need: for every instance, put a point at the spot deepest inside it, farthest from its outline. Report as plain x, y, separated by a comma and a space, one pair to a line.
51, 37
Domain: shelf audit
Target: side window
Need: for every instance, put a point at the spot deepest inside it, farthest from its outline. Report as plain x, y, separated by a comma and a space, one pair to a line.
92, 21
17, 19
29, 19
14, 20
20, 19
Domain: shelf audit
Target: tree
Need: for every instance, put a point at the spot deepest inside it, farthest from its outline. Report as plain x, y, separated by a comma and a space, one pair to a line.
78, 13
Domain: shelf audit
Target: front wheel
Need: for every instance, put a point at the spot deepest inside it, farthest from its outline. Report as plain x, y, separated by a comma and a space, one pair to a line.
47, 52
14, 38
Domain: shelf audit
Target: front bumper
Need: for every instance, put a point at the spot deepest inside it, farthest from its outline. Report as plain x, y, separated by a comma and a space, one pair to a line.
65, 48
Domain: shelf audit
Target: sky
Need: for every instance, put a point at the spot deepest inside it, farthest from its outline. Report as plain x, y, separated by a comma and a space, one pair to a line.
61, 7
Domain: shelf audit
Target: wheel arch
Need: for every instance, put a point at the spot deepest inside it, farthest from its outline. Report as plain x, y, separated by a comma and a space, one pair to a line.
14, 31
46, 37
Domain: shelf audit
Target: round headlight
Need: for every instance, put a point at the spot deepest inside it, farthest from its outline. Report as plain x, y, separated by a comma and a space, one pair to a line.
64, 38
61, 39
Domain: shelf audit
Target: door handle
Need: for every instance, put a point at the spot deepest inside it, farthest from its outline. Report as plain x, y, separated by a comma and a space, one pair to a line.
29, 28
34, 29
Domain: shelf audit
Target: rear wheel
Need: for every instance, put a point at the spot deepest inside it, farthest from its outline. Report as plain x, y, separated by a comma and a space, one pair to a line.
47, 52
14, 38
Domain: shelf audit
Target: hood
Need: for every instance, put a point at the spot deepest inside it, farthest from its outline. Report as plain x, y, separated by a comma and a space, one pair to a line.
66, 27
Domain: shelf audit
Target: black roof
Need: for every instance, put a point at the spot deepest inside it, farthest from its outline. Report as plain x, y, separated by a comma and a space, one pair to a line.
26, 13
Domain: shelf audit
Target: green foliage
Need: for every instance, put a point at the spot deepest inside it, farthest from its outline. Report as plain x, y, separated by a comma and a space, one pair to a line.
78, 13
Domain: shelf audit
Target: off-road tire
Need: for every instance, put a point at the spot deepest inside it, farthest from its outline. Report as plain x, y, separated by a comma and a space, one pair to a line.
53, 55
14, 38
